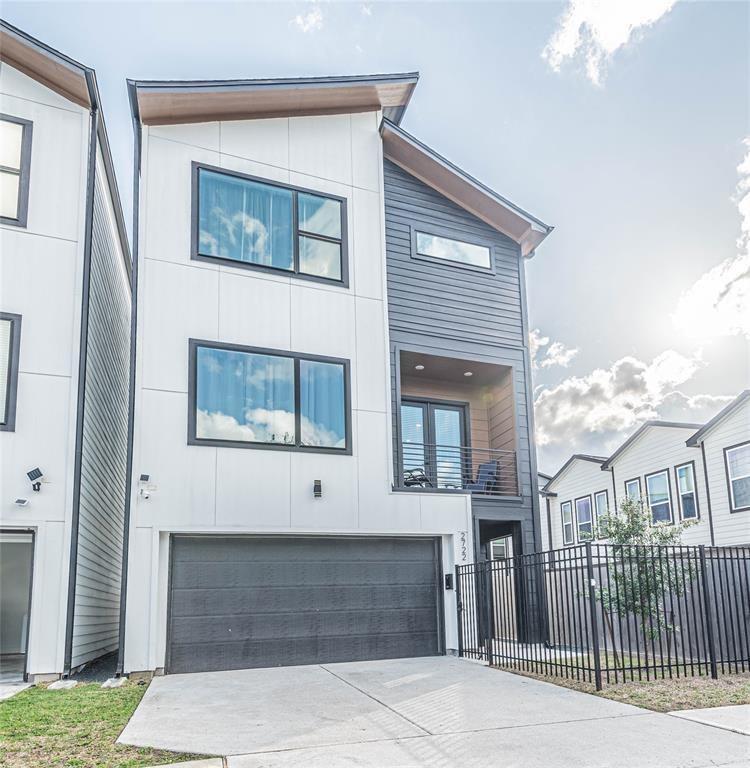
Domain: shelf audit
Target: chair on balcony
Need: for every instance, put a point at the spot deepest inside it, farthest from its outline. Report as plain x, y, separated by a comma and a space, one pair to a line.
487, 478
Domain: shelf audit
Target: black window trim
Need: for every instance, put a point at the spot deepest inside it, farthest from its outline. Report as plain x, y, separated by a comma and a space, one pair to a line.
11, 389
669, 491
640, 487
591, 522
732, 508
195, 254
572, 524
451, 235
193, 345
595, 513
677, 468
22, 210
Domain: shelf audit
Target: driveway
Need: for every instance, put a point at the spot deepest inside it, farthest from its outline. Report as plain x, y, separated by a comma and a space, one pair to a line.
437, 711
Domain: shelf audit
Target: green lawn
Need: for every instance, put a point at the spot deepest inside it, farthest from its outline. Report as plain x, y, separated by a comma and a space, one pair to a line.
74, 729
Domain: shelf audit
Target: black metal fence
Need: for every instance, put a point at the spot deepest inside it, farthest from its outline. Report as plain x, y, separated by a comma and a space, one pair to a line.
604, 613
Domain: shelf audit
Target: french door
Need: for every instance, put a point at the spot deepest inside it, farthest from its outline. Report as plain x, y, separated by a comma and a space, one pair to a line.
433, 444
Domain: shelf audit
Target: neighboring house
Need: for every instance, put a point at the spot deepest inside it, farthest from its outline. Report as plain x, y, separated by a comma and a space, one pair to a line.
332, 397
544, 510
64, 360
724, 445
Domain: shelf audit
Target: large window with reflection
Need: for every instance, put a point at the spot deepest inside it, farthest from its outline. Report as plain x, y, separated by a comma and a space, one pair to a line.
15, 167
686, 491
248, 397
659, 497
259, 224
737, 463
10, 334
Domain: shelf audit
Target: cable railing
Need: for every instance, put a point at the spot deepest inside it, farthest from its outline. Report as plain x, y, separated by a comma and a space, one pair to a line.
483, 471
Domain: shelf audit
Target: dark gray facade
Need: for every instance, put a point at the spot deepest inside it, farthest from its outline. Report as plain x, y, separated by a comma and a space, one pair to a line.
468, 313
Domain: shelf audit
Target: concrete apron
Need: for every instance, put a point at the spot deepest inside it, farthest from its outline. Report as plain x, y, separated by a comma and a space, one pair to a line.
420, 712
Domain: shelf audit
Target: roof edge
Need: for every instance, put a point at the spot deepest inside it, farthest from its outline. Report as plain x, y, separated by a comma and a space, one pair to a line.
574, 457
646, 425
727, 410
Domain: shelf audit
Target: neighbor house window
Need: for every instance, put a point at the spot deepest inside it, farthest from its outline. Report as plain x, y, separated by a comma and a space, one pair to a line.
601, 504
10, 336
657, 489
566, 512
686, 492
500, 548
448, 249
249, 397
15, 163
737, 460
633, 489
259, 224
584, 521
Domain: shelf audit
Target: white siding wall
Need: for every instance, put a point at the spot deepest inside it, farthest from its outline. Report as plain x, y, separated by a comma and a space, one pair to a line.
40, 279
661, 448
729, 528
200, 488
582, 478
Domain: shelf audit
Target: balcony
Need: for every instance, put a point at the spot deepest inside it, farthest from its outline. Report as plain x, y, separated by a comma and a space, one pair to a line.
455, 426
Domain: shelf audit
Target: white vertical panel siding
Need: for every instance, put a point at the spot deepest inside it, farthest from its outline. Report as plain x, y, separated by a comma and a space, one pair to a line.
729, 527
103, 467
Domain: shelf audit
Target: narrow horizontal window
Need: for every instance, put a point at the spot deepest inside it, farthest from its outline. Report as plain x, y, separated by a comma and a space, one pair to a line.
566, 513
438, 247
268, 226
15, 161
686, 492
737, 461
245, 396
10, 330
584, 520
657, 488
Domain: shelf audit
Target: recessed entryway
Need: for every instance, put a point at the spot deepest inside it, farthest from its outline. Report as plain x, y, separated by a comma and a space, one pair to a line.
16, 563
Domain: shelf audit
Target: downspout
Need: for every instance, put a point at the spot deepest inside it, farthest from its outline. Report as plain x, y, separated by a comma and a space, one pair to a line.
82, 359
549, 523
708, 495
131, 386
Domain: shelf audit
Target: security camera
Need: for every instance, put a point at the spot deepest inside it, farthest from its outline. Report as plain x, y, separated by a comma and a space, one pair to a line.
145, 494
35, 476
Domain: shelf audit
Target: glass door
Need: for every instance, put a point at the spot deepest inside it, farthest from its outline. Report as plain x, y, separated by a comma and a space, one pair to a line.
414, 455
446, 424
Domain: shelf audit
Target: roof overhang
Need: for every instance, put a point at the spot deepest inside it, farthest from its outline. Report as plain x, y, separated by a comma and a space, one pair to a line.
560, 472
172, 102
473, 196
694, 440
647, 425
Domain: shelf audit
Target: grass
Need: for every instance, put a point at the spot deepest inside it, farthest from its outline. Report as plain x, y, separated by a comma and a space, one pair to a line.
76, 728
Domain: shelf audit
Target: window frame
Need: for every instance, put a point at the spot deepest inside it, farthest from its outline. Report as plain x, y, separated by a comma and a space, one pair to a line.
450, 235
195, 254
572, 524
11, 388
664, 472
591, 522
24, 172
730, 494
605, 493
192, 439
640, 487
677, 469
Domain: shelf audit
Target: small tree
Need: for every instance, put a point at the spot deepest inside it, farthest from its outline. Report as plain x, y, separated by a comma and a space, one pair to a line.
639, 579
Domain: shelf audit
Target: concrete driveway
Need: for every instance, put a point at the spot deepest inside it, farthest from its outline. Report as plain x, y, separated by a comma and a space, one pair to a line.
437, 711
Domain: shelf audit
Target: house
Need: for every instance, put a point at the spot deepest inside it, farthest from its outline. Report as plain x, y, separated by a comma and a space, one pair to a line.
64, 366
332, 394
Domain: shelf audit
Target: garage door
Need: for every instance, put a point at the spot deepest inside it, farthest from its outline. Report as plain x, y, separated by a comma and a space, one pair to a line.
238, 602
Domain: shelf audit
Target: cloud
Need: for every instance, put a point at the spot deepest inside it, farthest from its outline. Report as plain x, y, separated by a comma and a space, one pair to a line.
718, 303
608, 403
545, 355
310, 21
596, 30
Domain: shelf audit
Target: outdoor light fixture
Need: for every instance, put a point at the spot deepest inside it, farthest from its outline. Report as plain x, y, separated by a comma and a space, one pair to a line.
145, 490
35, 476
468, 373
317, 489
419, 367
22, 502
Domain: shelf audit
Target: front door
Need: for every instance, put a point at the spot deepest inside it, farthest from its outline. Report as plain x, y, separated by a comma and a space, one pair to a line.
16, 563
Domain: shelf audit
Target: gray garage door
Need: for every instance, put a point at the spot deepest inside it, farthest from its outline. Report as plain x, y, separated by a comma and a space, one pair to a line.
238, 602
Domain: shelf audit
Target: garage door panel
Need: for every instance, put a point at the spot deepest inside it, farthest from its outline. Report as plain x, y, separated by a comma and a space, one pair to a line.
240, 602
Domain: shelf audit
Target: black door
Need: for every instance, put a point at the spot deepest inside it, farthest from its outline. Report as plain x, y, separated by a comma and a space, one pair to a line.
238, 602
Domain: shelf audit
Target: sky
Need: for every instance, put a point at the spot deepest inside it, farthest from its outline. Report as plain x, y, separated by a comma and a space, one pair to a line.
625, 124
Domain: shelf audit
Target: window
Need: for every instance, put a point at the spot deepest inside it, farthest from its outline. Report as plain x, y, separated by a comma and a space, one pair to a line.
737, 461
15, 163
448, 249
584, 520
10, 338
633, 489
659, 502
686, 493
601, 504
262, 225
500, 549
246, 397
566, 512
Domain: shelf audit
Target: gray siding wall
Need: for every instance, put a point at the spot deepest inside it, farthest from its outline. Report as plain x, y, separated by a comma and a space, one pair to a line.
447, 310
104, 448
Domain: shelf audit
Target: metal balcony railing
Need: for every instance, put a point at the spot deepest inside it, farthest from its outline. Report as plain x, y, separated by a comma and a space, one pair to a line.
481, 471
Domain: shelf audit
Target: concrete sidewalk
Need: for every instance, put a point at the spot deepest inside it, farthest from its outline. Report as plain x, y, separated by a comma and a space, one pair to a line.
414, 712
736, 718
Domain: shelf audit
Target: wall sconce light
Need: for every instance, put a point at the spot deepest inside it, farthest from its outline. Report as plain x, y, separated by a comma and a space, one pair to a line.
35, 476
145, 489
317, 489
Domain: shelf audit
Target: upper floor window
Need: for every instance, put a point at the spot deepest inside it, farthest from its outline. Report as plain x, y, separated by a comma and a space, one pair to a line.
633, 489
659, 502
686, 492
262, 225
15, 163
448, 249
584, 520
242, 396
566, 513
601, 503
737, 460
10, 337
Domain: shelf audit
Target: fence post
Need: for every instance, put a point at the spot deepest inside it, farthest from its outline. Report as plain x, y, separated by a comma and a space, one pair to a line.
459, 611
489, 628
594, 618
709, 615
